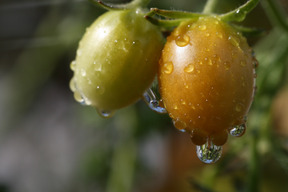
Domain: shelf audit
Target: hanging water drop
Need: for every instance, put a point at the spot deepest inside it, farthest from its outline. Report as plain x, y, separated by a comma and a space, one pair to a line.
150, 98
78, 97
180, 125
208, 153
105, 113
238, 130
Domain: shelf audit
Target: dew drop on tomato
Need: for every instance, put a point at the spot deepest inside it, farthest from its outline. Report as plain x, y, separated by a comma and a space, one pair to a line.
153, 103
238, 130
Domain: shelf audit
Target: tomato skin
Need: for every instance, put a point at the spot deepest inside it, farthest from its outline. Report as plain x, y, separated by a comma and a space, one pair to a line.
206, 79
116, 59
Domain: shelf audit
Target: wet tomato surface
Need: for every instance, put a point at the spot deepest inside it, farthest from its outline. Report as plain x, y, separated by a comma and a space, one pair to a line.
206, 79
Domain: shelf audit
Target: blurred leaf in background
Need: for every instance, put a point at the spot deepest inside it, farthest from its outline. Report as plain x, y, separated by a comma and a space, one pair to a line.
48, 142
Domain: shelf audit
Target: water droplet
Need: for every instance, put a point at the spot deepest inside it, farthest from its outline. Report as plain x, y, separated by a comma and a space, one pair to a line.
83, 72
100, 89
255, 62
116, 41
182, 40
78, 97
202, 27
180, 125
72, 85
243, 63
183, 102
189, 68
151, 100
209, 153
210, 62
168, 68
220, 35
240, 15
79, 52
207, 34
227, 65
234, 41
238, 130
72, 65
105, 113
239, 107
98, 67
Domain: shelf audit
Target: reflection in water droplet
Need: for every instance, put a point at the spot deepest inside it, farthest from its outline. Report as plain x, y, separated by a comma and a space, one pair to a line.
105, 113
168, 68
182, 41
238, 130
150, 98
209, 153
189, 68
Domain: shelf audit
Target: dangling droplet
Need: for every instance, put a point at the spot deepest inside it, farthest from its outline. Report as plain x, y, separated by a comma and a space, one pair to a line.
150, 98
209, 153
238, 130
78, 97
105, 113
180, 125
72, 65
72, 85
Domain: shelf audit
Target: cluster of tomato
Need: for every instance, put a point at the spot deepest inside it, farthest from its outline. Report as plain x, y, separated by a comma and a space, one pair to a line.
205, 71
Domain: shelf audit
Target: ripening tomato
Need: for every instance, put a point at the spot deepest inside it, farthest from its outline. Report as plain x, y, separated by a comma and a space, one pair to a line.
206, 79
116, 60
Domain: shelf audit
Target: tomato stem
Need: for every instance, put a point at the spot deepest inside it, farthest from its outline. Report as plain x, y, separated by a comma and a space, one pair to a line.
240, 13
164, 23
175, 14
248, 31
275, 13
210, 6
131, 5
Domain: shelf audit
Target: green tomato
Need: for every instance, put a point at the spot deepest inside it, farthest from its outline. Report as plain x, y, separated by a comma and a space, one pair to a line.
116, 60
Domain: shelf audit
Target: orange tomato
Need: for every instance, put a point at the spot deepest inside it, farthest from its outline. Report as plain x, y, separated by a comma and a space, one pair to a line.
206, 79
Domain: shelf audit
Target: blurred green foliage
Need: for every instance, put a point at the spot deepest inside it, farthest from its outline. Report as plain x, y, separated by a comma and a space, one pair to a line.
137, 149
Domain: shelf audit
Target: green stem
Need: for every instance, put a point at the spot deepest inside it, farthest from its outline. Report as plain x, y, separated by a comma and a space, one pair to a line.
175, 14
253, 177
275, 13
240, 13
167, 24
131, 5
123, 161
210, 6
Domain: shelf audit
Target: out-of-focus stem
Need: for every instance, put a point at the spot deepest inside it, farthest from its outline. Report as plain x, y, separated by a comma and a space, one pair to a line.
275, 13
210, 6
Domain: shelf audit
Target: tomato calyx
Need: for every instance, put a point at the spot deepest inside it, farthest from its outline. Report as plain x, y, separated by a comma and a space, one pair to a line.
174, 18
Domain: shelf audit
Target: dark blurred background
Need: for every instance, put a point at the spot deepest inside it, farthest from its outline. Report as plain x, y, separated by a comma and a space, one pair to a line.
49, 142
